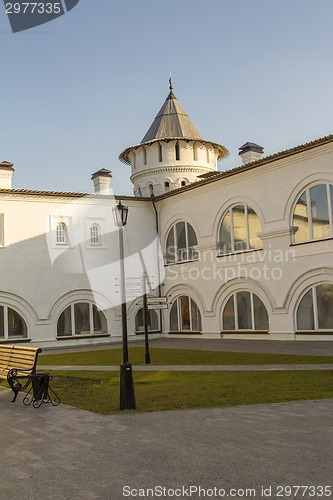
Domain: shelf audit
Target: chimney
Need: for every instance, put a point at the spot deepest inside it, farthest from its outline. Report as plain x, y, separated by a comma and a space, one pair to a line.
6, 173
102, 179
250, 152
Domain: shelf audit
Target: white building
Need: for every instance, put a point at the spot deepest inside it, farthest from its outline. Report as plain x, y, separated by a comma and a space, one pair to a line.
244, 253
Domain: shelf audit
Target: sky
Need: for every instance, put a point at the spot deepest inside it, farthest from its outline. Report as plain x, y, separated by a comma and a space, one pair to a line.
80, 89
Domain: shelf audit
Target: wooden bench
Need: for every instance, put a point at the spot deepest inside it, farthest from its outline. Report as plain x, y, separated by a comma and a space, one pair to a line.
16, 364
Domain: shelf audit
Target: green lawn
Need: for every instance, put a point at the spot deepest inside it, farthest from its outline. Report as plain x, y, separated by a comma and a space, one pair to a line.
161, 356
162, 390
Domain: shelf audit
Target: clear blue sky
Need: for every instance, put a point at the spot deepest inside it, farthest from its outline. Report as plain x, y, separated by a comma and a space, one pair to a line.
78, 90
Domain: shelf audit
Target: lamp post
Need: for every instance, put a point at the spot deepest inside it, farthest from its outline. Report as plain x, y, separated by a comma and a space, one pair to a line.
127, 397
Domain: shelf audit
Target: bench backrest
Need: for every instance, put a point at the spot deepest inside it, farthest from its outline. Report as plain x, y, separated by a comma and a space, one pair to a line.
15, 356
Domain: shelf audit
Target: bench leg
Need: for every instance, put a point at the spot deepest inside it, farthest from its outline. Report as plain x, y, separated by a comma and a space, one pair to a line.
15, 387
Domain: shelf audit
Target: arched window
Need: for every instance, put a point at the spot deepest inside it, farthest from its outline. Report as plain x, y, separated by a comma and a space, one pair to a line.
315, 310
245, 311
81, 318
239, 229
151, 189
95, 234
181, 241
61, 234
185, 315
313, 215
152, 321
12, 325
167, 186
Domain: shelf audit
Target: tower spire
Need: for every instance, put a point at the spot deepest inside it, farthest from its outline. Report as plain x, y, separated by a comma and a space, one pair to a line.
170, 82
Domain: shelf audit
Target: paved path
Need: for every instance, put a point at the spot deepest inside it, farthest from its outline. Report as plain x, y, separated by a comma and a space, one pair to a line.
224, 368
62, 453
313, 347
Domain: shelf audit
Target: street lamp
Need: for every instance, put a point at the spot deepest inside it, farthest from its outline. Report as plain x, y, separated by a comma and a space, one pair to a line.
127, 397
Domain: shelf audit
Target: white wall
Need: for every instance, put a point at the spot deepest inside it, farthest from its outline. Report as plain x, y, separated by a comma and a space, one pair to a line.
278, 274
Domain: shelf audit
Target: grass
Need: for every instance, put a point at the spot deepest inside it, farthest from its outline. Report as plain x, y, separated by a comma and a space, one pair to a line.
161, 356
162, 390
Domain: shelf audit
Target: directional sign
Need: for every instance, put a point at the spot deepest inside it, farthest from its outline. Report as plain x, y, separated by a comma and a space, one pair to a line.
158, 306
157, 300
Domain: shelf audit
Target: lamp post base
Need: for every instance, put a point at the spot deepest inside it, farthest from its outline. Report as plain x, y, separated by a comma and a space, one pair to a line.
127, 396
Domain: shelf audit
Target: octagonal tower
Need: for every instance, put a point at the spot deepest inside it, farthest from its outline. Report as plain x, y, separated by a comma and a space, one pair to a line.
172, 153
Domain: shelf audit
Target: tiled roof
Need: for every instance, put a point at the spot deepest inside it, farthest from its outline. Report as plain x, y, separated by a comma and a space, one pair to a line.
214, 176
66, 194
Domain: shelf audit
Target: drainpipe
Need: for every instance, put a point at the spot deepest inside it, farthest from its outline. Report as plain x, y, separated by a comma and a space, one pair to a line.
152, 197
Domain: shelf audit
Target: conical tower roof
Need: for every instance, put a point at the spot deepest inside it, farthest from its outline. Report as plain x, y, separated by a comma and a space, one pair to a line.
172, 121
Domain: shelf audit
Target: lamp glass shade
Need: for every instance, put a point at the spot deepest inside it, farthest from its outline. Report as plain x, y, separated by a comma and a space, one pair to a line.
120, 214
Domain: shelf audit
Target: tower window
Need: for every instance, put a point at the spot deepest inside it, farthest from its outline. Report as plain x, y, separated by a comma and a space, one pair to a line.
195, 152
144, 156
177, 151
151, 189
160, 152
167, 186
183, 183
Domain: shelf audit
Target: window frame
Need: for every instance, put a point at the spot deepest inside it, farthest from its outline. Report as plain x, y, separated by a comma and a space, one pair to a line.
236, 317
6, 336
179, 316
194, 253
329, 187
150, 313
91, 333
315, 310
229, 212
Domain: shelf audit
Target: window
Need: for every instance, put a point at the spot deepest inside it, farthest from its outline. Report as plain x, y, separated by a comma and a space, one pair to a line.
61, 234
95, 234
177, 150
181, 241
245, 311
81, 318
195, 152
315, 310
185, 315
167, 186
151, 189
160, 152
312, 216
207, 154
144, 156
12, 325
183, 183
152, 321
239, 229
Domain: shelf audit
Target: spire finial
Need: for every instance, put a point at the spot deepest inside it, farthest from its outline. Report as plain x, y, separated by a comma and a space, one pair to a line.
170, 82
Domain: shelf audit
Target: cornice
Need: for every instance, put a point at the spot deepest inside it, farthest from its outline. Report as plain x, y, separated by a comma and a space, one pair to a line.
168, 169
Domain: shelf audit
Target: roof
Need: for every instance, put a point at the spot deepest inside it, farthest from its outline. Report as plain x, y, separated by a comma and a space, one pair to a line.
70, 194
172, 122
215, 176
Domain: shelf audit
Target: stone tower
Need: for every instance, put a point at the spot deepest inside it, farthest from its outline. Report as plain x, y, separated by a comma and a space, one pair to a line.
172, 153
